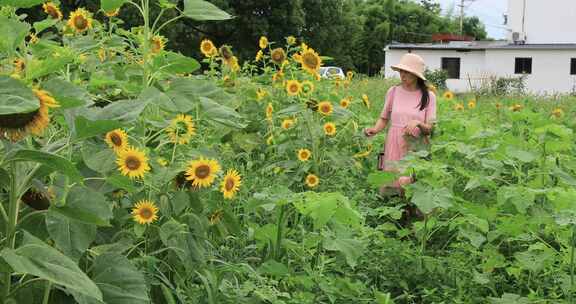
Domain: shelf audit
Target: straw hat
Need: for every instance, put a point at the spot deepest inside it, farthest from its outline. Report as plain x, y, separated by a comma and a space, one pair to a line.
411, 63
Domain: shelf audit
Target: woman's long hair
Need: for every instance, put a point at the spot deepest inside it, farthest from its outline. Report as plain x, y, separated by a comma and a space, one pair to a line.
425, 94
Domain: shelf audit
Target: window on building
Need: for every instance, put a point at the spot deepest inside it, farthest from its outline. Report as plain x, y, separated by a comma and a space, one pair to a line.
573, 66
523, 65
452, 66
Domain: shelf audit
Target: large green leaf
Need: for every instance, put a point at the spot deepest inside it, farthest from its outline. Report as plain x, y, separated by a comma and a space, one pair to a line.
351, 249
49, 160
16, 97
44, 24
176, 63
72, 237
56, 62
221, 114
175, 235
521, 197
324, 207
98, 157
378, 179
38, 259
202, 10
87, 206
118, 279
21, 3
86, 128
13, 33
121, 110
67, 94
110, 5
427, 198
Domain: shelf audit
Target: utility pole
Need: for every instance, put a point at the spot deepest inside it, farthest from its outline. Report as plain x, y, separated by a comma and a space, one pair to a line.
462, 7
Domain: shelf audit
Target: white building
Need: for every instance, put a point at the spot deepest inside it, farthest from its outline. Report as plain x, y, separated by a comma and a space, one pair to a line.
541, 44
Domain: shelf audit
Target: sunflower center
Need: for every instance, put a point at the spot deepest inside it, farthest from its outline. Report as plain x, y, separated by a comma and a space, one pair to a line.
17, 121
80, 23
116, 140
293, 88
229, 184
202, 171
325, 109
310, 60
304, 155
146, 213
133, 163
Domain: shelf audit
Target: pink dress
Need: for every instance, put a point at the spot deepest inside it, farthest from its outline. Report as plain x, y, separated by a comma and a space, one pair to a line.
401, 107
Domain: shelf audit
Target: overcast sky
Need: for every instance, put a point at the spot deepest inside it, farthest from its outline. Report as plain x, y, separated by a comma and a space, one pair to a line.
489, 11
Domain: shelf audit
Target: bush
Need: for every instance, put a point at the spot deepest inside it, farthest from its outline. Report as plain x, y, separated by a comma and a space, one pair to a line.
437, 78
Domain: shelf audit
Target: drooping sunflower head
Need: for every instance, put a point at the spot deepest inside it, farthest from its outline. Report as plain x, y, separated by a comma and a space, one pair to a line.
225, 52
472, 104
325, 108
157, 44
293, 87
117, 140
39, 120
231, 184
307, 87
259, 55
233, 64
349, 75
19, 65
448, 95
36, 199
278, 56
145, 212
112, 13
263, 42
202, 172
207, 48
458, 107
291, 40
269, 111
310, 61
558, 113
52, 10
260, 94
80, 20
345, 103
304, 154
181, 129
366, 101
132, 163
312, 180
287, 123
330, 129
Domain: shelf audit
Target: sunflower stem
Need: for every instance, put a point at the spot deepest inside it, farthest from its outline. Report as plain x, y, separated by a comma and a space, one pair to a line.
11, 223
47, 292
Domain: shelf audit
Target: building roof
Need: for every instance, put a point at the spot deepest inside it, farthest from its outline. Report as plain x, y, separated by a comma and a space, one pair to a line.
480, 46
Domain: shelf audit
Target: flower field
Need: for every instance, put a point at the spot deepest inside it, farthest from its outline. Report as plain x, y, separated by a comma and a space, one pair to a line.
130, 173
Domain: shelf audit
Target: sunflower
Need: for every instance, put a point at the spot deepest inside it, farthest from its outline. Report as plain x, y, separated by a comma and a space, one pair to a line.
132, 163
117, 140
330, 129
202, 172
157, 44
181, 129
304, 154
259, 56
472, 104
112, 13
19, 65
145, 212
345, 102
307, 87
269, 111
349, 75
310, 61
260, 94
270, 140
291, 40
448, 95
53, 10
287, 124
516, 107
102, 54
80, 20
37, 199
366, 101
231, 184
263, 42
33, 38
293, 87
558, 113
233, 64
16, 126
458, 107
297, 57
325, 108
225, 52
278, 76
162, 161
278, 55
207, 48
312, 180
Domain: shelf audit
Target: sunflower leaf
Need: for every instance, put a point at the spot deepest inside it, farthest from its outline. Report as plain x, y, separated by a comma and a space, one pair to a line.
111, 5
21, 3
87, 206
13, 33
49, 160
203, 11
16, 97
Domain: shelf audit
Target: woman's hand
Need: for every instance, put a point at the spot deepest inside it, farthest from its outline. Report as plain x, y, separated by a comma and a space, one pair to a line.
413, 128
369, 132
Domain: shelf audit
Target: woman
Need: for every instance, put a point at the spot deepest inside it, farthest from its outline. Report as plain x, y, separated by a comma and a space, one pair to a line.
411, 110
